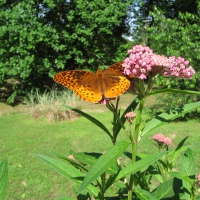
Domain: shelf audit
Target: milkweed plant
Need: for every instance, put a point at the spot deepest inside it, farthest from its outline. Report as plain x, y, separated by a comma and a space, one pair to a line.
106, 175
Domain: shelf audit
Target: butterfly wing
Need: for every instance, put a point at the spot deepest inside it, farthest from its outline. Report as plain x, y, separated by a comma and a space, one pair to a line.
115, 69
83, 83
115, 86
115, 81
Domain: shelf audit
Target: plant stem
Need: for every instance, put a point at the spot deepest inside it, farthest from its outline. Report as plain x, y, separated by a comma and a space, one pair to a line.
137, 130
134, 143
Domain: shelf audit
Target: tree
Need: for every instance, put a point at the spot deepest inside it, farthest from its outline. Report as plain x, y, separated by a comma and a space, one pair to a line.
42, 37
170, 28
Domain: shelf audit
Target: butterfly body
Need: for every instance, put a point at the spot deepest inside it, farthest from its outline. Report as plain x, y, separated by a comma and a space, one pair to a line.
93, 87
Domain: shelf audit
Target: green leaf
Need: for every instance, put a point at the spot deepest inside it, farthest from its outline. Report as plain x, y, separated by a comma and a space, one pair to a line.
86, 158
144, 195
181, 176
3, 177
103, 163
188, 169
92, 119
168, 116
177, 151
73, 162
139, 165
188, 166
167, 90
167, 189
67, 171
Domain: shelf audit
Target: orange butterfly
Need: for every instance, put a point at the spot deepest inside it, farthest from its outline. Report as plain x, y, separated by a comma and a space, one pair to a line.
95, 87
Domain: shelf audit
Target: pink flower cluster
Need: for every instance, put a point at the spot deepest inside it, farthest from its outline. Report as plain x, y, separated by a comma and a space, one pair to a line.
178, 68
142, 62
160, 138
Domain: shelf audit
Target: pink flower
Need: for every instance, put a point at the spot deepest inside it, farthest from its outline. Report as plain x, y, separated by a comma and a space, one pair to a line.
159, 137
129, 116
142, 62
167, 141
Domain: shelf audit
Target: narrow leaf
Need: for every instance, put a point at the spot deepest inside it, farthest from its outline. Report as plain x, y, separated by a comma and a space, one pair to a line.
178, 150
103, 163
66, 170
144, 195
3, 177
166, 117
86, 158
72, 162
181, 176
139, 165
92, 119
167, 90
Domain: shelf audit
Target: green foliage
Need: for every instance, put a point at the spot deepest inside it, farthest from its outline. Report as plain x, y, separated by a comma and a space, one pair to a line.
176, 36
40, 38
168, 101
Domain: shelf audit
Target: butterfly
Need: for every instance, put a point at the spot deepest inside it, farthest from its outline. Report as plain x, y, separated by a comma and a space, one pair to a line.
95, 87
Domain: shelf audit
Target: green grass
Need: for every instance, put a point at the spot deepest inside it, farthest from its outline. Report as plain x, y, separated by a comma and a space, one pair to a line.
22, 136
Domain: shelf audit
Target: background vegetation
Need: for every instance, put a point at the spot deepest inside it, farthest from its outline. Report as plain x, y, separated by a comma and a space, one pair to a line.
40, 38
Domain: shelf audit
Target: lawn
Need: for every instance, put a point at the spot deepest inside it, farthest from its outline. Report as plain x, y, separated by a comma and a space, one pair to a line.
22, 136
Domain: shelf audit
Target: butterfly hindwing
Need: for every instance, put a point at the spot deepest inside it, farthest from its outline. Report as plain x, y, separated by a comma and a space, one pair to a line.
115, 81
89, 93
115, 86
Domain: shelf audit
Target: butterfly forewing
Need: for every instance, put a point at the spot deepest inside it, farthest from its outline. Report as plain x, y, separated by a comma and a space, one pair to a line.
115, 69
72, 78
83, 83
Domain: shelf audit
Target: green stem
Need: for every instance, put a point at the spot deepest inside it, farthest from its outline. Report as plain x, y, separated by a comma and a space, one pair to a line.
134, 143
137, 129
116, 115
